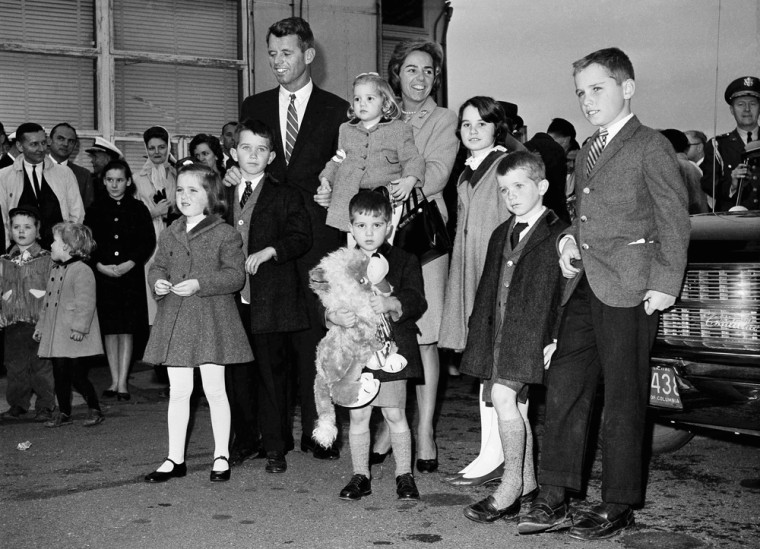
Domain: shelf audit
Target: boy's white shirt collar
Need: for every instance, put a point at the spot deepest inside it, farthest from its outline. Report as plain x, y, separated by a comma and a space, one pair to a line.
530, 221
615, 128
254, 183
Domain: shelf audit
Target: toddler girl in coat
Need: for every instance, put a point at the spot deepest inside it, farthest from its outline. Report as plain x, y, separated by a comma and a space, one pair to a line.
68, 328
197, 269
375, 149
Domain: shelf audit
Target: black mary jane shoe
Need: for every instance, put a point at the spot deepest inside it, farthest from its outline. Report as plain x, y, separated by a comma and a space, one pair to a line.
123, 396
108, 393
376, 458
485, 511
220, 476
179, 470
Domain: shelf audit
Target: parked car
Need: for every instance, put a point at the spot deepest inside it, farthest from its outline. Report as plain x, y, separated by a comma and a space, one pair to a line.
706, 359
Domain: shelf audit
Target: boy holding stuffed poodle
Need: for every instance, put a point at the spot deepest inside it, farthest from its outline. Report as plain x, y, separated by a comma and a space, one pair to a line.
370, 215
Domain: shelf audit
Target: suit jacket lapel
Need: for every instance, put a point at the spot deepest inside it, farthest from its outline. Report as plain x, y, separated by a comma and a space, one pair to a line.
615, 145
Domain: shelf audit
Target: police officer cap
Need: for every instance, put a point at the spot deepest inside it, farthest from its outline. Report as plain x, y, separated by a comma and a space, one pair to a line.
746, 85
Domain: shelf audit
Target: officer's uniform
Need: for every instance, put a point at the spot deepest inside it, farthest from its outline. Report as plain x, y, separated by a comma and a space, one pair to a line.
731, 147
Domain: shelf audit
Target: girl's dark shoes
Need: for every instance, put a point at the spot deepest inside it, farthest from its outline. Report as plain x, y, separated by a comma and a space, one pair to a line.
358, 486
179, 470
123, 396
428, 465
376, 458
220, 476
108, 393
94, 417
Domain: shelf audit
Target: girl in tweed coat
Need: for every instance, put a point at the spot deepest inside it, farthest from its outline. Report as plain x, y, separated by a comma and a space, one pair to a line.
375, 149
198, 268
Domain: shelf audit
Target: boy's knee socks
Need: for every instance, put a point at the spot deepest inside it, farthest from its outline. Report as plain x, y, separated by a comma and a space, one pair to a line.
529, 467
513, 441
359, 445
402, 451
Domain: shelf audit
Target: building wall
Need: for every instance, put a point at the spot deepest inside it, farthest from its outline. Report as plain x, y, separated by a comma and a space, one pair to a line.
684, 52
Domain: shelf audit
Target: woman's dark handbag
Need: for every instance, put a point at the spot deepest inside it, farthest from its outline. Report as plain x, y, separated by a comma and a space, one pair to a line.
421, 229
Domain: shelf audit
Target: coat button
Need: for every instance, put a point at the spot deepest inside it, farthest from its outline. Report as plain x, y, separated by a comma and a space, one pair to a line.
116, 236
584, 218
510, 263
241, 222
116, 254
115, 218
586, 190
584, 246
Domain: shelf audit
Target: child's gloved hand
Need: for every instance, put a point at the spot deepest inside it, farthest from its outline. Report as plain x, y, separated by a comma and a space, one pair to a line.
162, 287
186, 288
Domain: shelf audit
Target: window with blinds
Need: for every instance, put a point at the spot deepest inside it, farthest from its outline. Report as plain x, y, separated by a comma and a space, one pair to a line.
180, 64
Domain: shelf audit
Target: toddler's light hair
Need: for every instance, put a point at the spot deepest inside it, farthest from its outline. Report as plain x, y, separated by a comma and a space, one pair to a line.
77, 237
391, 108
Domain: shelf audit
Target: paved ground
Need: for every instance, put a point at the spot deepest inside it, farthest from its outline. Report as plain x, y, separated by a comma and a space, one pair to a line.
77, 487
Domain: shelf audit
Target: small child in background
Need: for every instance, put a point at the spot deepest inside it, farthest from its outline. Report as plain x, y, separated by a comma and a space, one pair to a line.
68, 328
24, 273
370, 214
514, 323
375, 149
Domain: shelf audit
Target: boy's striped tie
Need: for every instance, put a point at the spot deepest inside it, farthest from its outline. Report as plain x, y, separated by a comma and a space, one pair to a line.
596, 149
292, 130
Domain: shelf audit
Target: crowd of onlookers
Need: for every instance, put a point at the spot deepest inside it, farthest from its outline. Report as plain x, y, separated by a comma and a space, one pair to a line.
560, 251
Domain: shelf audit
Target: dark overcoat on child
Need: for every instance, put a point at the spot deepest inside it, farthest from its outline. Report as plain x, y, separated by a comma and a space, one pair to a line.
205, 327
531, 318
279, 219
69, 305
405, 276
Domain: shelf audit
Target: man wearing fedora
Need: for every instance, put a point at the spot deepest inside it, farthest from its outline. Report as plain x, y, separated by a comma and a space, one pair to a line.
727, 177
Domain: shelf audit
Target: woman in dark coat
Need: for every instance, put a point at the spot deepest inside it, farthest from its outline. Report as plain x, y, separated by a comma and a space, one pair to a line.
123, 230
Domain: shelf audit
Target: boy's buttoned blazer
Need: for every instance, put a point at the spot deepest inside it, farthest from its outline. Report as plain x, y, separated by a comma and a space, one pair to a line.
633, 225
279, 219
532, 311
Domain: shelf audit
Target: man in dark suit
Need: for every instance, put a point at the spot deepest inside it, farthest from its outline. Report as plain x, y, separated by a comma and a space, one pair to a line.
625, 255
62, 141
315, 116
7, 149
554, 159
724, 170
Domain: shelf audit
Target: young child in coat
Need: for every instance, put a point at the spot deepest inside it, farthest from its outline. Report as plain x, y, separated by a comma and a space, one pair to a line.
24, 273
375, 149
198, 268
514, 323
370, 214
68, 328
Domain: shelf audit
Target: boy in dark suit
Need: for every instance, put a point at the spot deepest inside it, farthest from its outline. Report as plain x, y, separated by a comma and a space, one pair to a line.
514, 323
276, 230
305, 120
625, 255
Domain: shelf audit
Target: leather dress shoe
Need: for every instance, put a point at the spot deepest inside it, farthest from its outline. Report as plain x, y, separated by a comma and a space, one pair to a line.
358, 486
109, 393
406, 488
600, 523
376, 458
276, 462
542, 517
239, 455
318, 451
220, 476
485, 511
179, 470
493, 476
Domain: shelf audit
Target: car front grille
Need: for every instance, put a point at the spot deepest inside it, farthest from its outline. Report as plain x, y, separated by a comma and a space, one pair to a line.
719, 309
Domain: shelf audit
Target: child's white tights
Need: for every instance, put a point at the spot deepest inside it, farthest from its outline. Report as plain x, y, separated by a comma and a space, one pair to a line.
491, 452
180, 389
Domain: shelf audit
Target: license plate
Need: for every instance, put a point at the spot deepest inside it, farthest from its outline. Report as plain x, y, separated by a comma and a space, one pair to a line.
663, 388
